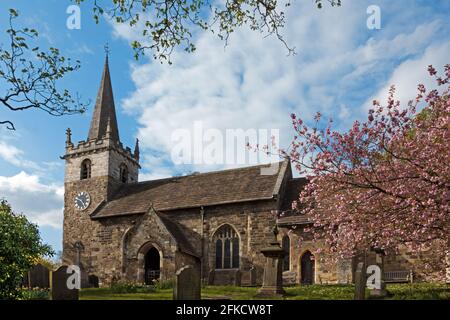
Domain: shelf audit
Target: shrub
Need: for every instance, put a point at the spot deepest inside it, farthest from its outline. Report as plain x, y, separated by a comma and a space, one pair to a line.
20, 249
161, 285
124, 287
35, 294
130, 287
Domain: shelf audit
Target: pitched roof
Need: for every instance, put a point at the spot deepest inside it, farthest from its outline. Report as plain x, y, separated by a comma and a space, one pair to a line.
205, 189
177, 233
291, 217
292, 192
104, 116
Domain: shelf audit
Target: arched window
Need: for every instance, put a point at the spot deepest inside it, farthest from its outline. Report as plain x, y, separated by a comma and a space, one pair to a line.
85, 169
227, 248
286, 245
123, 173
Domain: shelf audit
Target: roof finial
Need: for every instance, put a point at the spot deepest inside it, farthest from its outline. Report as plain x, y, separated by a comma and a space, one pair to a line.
107, 50
136, 150
68, 137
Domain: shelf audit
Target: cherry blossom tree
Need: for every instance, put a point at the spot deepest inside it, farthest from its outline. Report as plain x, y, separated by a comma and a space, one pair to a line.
385, 182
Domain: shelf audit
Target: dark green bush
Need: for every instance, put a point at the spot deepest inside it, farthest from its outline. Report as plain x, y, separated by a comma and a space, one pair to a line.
35, 294
130, 287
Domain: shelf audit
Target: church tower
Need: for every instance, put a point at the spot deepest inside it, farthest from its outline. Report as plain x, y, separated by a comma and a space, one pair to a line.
95, 169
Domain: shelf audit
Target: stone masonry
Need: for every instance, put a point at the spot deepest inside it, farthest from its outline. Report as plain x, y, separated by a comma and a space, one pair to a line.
141, 231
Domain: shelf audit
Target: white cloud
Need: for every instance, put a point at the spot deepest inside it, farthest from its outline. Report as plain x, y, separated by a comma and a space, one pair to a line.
14, 156
10, 153
41, 203
253, 84
412, 72
17, 157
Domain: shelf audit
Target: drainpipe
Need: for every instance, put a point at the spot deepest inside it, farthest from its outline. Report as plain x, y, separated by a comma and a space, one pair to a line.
202, 216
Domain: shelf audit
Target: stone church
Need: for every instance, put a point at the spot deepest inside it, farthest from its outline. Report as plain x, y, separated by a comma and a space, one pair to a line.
117, 228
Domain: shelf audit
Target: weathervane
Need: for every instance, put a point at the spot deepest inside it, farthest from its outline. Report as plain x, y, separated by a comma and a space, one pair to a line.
107, 50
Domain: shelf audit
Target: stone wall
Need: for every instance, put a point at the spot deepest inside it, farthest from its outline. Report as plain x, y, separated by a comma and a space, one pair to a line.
117, 158
99, 166
326, 271
101, 239
253, 223
342, 271
149, 232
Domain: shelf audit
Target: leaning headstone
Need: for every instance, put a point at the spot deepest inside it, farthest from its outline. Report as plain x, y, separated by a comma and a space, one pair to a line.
360, 281
64, 284
39, 277
187, 283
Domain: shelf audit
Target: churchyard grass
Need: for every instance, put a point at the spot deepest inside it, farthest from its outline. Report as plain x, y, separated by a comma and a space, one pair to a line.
417, 291
314, 292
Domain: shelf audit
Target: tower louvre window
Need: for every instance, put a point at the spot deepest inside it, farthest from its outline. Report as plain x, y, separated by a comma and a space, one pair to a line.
85, 169
123, 173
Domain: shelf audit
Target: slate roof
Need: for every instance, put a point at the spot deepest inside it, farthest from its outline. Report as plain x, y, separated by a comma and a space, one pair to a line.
177, 233
292, 192
205, 189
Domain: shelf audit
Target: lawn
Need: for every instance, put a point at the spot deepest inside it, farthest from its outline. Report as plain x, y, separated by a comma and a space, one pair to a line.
314, 292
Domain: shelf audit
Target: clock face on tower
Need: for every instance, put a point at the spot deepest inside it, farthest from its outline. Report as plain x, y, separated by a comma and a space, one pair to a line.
82, 200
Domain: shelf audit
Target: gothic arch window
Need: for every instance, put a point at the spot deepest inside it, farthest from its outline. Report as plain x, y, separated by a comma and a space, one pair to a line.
85, 169
227, 248
286, 245
123, 173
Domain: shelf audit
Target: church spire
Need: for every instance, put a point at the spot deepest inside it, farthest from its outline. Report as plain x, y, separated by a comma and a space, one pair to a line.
104, 117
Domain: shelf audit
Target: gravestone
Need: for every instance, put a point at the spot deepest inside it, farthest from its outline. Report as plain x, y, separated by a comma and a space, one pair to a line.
84, 277
253, 276
60, 285
360, 281
93, 281
447, 270
344, 271
237, 278
211, 276
187, 283
37, 277
379, 261
273, 269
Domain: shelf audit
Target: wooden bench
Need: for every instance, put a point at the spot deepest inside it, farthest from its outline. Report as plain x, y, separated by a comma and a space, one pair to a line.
398, 276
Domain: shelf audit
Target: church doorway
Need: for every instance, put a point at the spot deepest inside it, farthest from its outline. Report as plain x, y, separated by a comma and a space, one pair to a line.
152, 266
307, 268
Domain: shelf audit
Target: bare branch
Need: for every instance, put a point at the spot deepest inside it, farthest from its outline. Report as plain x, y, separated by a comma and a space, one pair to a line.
31, 75
171, 23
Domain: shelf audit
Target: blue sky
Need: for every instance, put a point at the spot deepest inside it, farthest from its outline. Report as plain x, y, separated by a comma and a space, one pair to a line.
340, 66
